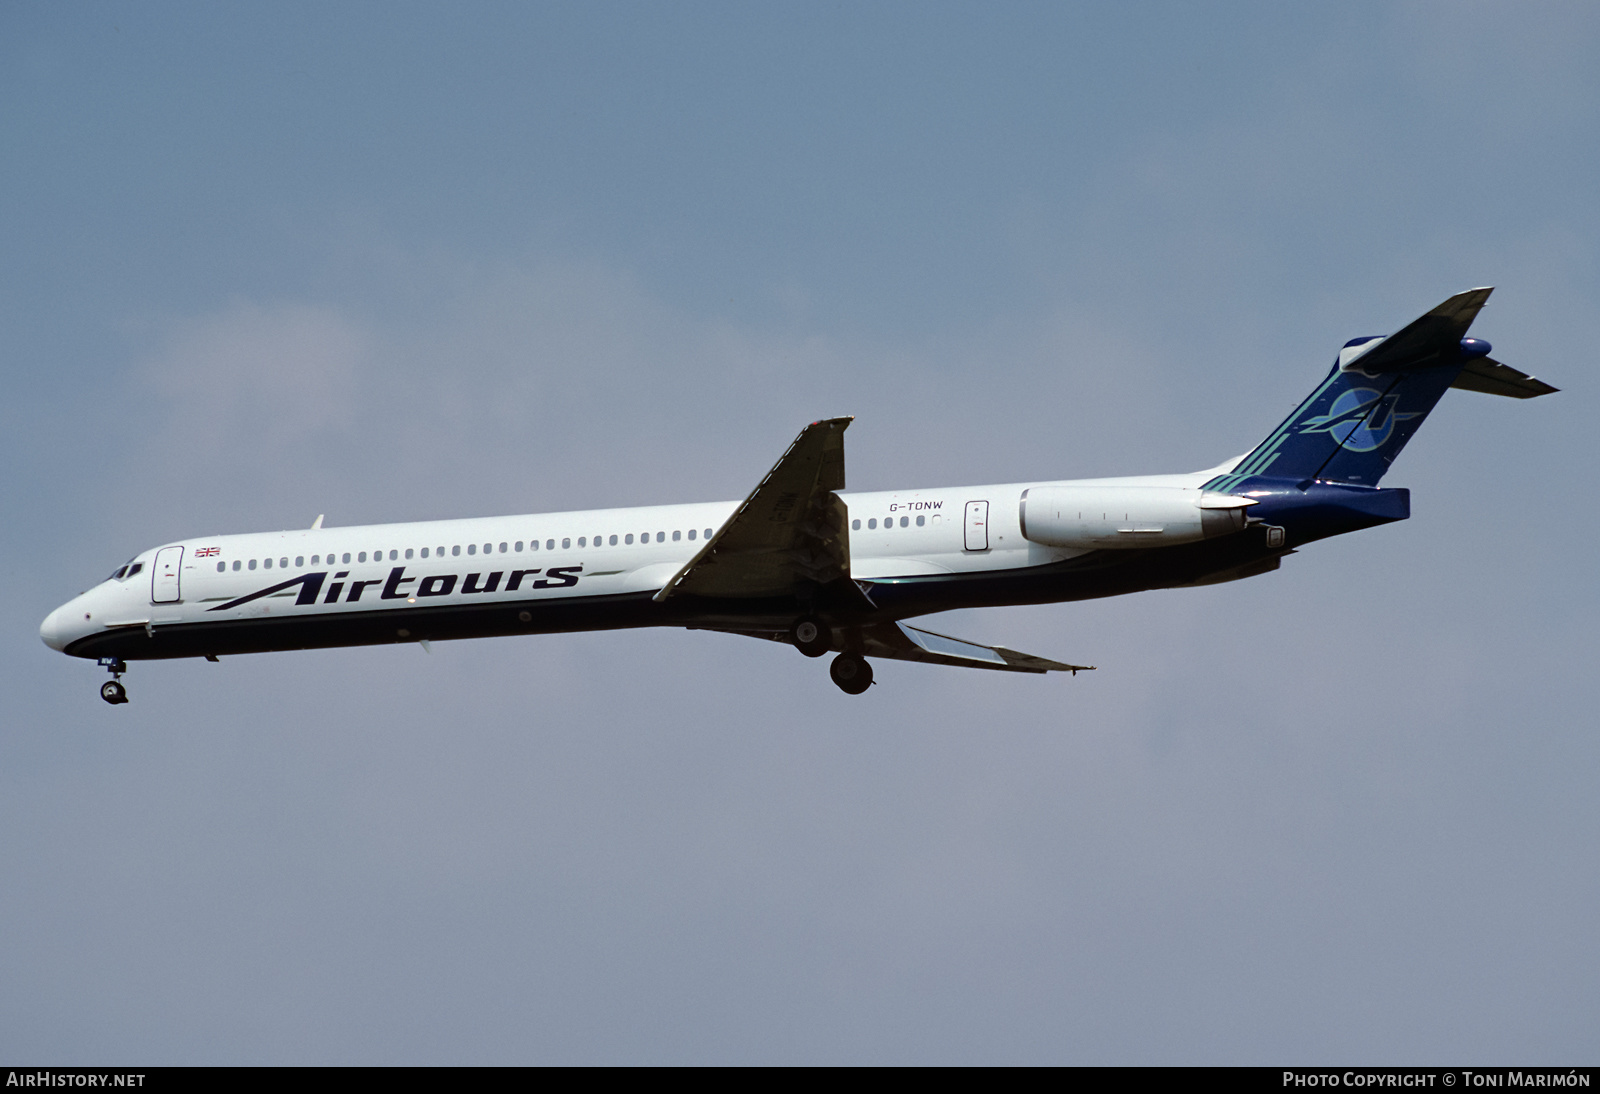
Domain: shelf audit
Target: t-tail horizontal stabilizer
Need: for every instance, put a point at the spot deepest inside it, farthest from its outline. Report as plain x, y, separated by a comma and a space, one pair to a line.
1489, 376
1351, 428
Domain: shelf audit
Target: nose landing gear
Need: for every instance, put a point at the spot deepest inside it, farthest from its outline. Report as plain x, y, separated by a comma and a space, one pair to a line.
851, 673
112, 690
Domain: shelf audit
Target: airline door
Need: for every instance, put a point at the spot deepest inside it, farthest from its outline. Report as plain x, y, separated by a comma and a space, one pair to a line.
977, 525
164, 575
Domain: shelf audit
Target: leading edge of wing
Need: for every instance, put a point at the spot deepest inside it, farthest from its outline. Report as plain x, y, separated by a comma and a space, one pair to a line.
906, 643
790, 530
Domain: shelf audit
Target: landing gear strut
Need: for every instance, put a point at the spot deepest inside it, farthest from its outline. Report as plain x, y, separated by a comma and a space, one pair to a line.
851, 673
810, 637
112, 690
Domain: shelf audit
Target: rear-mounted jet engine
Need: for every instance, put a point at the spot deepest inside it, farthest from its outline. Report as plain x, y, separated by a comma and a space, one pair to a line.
1097, 517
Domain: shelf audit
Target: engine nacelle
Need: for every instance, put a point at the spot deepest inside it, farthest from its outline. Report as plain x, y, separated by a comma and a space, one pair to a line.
1098, 517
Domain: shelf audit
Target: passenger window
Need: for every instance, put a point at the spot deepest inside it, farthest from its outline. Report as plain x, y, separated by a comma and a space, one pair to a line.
566, 544
905, 522
235, 564
628, 539
347, 558
299, 561
362, 557
708, 533
661, 537
676, 536
872, 523
855, 525
266, 564
408, 552
438, 552
583, 541
221, 566
691, 533
456, 550
518, 547
549, 545
613, 541
921, 521
252, 564
502, 548
472, 548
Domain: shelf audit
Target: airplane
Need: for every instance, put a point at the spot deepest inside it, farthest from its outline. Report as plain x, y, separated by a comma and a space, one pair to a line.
801, 561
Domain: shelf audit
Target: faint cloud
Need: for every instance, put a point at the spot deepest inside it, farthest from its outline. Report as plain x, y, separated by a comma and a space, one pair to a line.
260, 376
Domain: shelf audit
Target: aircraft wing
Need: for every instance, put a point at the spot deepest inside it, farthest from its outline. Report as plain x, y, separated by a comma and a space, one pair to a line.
791, 531
907, 643
902, 642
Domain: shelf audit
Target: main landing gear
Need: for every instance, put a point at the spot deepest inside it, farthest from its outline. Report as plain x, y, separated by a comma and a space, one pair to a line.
112, 690
851, 673
810, 637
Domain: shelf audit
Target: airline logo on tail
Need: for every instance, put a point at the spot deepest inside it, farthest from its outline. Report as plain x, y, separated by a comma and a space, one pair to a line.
1360, 419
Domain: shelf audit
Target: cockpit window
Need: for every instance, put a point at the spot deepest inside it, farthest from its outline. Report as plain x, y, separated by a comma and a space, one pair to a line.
118, 573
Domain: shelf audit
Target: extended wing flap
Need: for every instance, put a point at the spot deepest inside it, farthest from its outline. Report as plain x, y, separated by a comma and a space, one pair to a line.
790, 531
906, 643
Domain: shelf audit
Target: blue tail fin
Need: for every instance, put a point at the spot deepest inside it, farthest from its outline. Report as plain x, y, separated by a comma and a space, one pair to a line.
1351, 428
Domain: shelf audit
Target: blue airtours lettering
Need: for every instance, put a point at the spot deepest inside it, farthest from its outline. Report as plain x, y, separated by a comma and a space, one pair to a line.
471, 584
437, 585
394, 586
391, 588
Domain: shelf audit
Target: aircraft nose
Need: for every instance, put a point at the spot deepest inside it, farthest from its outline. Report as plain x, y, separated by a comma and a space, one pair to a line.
58, 627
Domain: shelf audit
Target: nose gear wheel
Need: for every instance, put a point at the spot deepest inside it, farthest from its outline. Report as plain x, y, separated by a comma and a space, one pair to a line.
112, 690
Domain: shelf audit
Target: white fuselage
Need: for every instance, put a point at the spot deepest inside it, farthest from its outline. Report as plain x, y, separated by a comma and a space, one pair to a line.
552, 556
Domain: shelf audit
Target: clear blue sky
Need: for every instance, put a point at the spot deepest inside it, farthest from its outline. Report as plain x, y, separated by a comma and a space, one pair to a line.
398, 261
